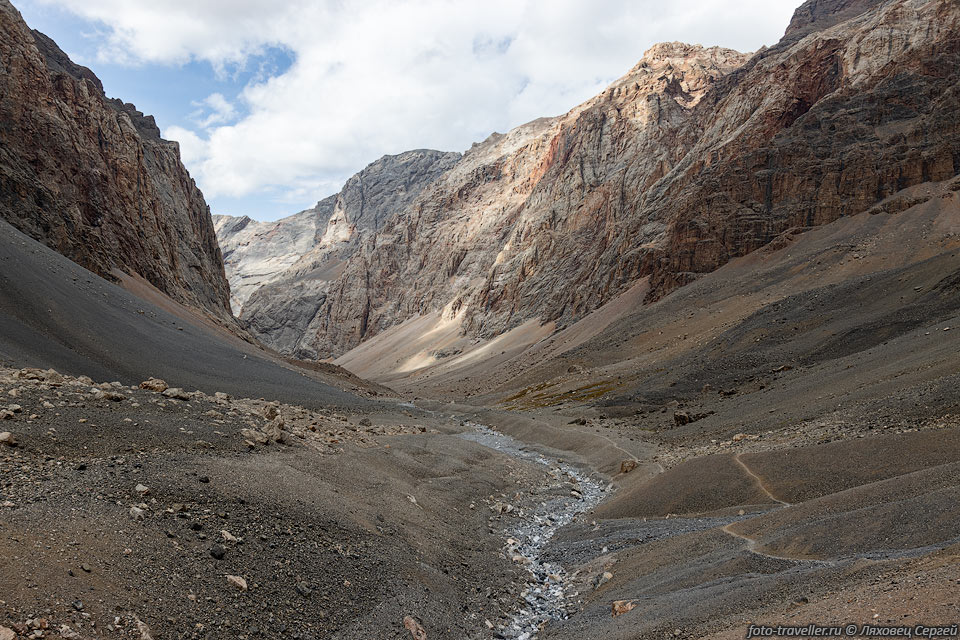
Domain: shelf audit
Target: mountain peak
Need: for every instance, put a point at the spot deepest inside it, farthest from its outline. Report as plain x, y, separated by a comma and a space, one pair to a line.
816, 15
679, 51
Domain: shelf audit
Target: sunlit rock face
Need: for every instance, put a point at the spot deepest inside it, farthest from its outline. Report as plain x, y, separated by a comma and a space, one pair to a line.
696, 156
255, 253
91, 178
278, 270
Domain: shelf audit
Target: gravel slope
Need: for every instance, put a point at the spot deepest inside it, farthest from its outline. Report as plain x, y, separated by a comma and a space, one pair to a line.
54, 313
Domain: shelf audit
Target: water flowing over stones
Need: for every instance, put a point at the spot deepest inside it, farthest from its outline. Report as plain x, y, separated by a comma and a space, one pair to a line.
547, 595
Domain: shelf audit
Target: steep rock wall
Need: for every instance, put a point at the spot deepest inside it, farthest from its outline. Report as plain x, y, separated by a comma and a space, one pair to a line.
91, 178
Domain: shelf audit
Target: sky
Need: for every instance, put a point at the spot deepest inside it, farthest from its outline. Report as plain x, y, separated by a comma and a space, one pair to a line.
276, 104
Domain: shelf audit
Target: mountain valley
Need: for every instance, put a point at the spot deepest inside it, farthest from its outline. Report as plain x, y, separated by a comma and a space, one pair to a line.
677, 362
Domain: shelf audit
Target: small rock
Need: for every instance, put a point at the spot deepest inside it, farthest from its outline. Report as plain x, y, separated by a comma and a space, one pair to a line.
238, 582
154, 384
228, 537
86, 568
365, 422
15, 408
602, 579
204, 479
70, 634
100, 394
7, 438
275, 430
218, 552
78, 605
175, 393
270, 412
304, 589
141, 489
416, 630
6, 633
6, 414
681, 418
255, 436
621, 607
627, 466
137, 513
143, 629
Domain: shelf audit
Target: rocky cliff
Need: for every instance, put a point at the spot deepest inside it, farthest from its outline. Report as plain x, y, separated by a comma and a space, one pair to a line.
694, 157
281, 270
256, 253
91, 178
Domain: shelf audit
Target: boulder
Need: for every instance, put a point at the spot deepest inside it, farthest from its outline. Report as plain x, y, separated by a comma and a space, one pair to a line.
154, 384
176, 393
255, 436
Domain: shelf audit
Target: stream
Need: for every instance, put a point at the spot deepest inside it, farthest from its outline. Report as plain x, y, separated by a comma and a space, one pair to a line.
547, 592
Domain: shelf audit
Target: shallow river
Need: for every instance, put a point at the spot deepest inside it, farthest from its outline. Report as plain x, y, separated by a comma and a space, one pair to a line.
547, 593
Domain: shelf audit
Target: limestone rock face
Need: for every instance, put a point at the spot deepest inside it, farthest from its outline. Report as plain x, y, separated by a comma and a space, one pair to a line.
255, 253
91, 178
695, 157
281, 273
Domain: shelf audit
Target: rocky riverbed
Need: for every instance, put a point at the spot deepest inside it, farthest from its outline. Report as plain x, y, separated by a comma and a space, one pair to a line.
547, 594
154, 513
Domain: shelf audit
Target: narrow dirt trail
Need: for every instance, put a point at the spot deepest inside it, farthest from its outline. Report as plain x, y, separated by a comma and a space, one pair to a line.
753, 543
752, 548
759, 481
630, 455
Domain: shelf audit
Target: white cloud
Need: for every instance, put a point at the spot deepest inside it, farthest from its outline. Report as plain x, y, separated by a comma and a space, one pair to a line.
377, 77
214, 110
193, 149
